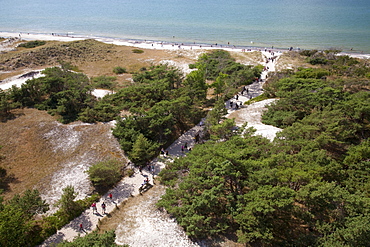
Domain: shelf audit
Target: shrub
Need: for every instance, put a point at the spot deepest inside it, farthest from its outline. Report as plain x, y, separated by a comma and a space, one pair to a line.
119, 70
308, 53
105, 82
32, 44
192, 66
318, 60
105, 173
137, 51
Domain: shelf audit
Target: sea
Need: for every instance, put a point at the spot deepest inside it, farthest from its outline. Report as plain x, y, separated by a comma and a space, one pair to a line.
303, 24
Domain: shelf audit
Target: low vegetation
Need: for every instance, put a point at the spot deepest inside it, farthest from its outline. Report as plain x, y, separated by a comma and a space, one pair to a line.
106, 173
119, 70
32, 44
106, 239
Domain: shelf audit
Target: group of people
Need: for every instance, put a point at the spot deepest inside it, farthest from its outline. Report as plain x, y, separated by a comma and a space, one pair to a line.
185, 147
103, 206
164, 153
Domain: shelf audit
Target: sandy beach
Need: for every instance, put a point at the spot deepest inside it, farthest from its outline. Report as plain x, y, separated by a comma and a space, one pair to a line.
150, 44
145, 44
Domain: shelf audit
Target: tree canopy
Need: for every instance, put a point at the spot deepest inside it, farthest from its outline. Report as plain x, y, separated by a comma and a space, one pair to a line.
308, 187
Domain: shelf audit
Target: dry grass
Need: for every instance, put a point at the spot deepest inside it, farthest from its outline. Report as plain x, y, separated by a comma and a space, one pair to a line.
91, 57
29, 148
291, 60
248, 58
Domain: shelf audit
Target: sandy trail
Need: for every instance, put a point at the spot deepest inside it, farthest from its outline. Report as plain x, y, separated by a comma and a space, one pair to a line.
252, 114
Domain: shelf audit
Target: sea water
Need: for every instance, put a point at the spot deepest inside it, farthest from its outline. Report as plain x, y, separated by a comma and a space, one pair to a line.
307, 24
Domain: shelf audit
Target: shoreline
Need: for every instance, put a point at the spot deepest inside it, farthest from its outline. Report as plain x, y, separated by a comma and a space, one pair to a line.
155, 44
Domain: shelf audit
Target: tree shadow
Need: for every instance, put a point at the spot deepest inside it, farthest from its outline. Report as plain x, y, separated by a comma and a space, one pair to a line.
6, 179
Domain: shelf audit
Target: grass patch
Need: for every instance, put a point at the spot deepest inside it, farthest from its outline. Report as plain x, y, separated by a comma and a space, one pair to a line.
32, 44
256, 99
137, 51
119, 70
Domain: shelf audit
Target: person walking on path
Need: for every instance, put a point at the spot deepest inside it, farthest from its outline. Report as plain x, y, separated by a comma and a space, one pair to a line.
94, 207
103, 207
110, 196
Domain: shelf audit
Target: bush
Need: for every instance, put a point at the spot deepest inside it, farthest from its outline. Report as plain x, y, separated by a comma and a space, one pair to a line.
32, 44
104, 82
105, 173
308, 53
318, 60
192, 66
119, 70
106, 239
137, 51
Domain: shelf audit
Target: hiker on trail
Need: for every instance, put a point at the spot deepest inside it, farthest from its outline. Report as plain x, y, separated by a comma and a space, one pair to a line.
186, 145
166, 152
196, 137
94, 207
103, 207
182, 148
81, 227
141, 170
110, 196
145, 182
162, 151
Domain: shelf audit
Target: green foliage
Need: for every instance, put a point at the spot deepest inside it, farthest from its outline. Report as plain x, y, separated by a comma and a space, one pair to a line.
217, 114
160, 106
68, 207
17, 225
311, 73
318, 60
60, 91
195, 83
298, 98
32, 44
138, 51
106, 239
6, 105
119, 70
105, 173
104, 82
223, 131
308, 53
142, 151
310, 187
218, 65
